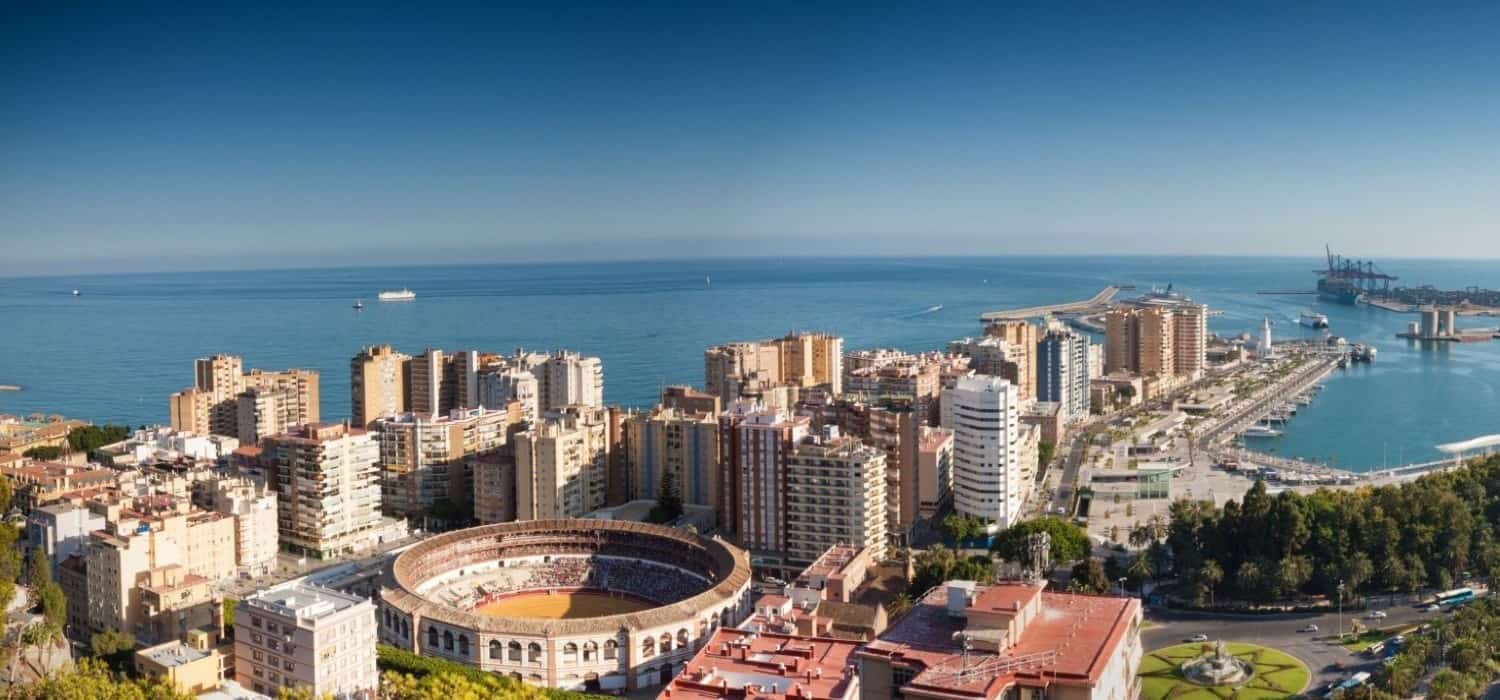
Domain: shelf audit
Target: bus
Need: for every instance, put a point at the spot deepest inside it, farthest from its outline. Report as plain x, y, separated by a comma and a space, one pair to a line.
1455, 597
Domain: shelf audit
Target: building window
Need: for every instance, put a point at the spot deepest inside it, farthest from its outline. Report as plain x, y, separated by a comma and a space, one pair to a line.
255, 654
666, 642
463, 644
570, 653
447, 640
254, 621
288, 666
515, 652
590, 651
648, 648
496, 651
534, 652
432, 637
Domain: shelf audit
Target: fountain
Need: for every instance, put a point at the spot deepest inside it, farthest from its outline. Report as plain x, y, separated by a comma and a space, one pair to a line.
1217, 668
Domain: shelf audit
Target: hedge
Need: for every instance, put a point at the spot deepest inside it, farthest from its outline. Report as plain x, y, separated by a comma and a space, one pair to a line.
389, 658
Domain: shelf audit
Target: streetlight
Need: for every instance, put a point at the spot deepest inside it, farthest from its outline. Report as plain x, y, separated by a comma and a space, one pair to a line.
1341, 610
1122, 587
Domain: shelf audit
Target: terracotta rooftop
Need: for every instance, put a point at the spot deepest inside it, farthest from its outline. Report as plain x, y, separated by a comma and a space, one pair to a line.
742, 664
1068, 640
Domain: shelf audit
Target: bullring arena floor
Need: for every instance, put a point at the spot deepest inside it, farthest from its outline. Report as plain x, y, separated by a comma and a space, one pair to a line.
563, 605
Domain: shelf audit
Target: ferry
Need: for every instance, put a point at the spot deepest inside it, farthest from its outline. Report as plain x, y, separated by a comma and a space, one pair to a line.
401, 295
1313, 319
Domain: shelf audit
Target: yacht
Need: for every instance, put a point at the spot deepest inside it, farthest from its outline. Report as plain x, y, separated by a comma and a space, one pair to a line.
1312, 319
401, 295
1261, 431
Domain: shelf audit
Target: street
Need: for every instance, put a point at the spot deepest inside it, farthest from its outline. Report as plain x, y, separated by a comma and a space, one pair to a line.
1316, 649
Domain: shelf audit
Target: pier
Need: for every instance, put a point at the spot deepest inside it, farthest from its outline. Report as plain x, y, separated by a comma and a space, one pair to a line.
1092, 303
1260, 405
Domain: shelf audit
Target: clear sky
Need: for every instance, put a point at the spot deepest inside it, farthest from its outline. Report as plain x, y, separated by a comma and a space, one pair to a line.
193, 136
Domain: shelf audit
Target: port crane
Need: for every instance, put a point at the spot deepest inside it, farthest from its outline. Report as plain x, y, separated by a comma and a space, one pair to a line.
1360, 274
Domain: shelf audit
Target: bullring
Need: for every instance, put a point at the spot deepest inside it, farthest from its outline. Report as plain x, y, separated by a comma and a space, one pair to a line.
579, 604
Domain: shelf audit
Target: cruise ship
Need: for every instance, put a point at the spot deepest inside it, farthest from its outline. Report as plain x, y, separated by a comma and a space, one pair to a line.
398, 295
1313, 319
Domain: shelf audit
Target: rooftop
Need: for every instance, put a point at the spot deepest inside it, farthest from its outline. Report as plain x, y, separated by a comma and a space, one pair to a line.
302, 601
781, 666
1067, 637
173, 653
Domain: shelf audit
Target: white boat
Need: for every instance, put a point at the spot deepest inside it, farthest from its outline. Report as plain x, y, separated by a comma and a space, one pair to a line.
1313, 319
76, 292
359, 304
1261, 431
400, 295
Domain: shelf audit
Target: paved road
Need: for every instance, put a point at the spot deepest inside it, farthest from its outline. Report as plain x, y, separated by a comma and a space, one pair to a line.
1280, 631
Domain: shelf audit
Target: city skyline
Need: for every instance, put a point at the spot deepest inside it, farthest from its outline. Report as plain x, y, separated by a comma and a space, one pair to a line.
221, 138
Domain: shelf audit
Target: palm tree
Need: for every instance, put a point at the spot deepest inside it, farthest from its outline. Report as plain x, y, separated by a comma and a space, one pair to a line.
1140, 568
1140, 536
1210, 576
1157, 526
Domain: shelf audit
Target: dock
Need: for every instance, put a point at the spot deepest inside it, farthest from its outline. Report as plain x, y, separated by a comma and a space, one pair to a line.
1286, 291
1092, 303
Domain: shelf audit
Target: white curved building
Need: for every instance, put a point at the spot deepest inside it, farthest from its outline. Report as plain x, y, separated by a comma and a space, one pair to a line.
984, 413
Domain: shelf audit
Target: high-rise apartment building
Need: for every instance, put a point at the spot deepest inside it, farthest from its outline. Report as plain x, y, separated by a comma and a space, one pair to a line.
750, 370
1019, 365
328, 486
670, 440
1190, 340
441, 382
377, 384
423, 459
983, 413
934, 470
570, 379
835, 494
1160, 341
225, 401
495, 484
562, 464
1062, 372
499, 386
754, 454
303, 637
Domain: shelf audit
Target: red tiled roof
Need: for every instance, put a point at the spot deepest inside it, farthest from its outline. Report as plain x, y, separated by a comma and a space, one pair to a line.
1069, 640
782, 666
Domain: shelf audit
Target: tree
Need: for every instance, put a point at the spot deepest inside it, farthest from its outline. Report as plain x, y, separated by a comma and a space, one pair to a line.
1068, 541
668, 506
1140, 570
1449, 684
54, 604
92, 680
960, 528
931, 568
1210, 575
38, 568
113, 648
1088, 577
1045, 451
43, 452
898, 606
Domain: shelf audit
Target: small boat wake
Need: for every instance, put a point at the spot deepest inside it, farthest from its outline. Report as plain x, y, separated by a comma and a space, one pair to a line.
929, 310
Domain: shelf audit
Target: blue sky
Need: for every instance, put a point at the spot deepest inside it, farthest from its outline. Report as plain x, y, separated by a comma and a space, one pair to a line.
190, 136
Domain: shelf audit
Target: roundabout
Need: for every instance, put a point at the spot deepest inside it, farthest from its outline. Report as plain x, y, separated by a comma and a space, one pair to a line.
1219, 671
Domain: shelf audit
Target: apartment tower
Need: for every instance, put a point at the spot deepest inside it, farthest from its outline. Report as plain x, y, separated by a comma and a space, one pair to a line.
983, 413
377, 384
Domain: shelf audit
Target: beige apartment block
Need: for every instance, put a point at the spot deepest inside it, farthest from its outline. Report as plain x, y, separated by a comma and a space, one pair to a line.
377, 384
253, 507
681, 442
562, 464
188, 669
298, 636
746, 370
423, 458
328, 487
835, 494
225, 401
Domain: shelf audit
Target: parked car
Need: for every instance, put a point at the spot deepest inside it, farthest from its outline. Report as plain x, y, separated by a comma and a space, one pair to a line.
1309, 628
1376, 615
1433, 608
1197, 638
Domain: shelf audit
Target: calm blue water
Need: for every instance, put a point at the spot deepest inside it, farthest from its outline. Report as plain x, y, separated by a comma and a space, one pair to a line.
117, 351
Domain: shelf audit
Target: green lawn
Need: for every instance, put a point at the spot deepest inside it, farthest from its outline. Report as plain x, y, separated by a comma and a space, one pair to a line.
1277, 674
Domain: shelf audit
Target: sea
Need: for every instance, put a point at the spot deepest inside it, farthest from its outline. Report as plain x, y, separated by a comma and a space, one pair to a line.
114, 352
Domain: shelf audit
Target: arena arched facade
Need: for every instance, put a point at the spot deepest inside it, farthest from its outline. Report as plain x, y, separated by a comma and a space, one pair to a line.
439, 598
